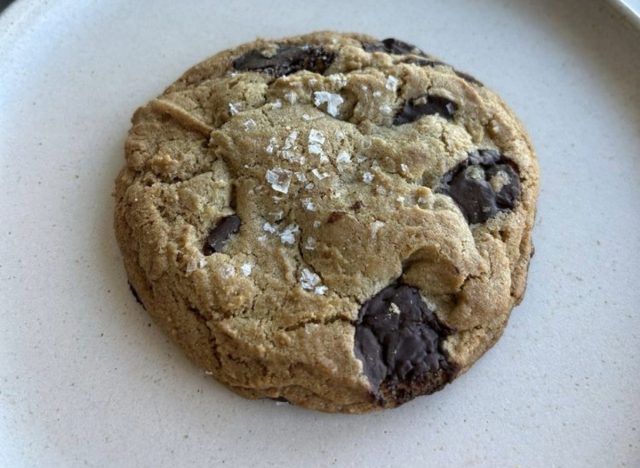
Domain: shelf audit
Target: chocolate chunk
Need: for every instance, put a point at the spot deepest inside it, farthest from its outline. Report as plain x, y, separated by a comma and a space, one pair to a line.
287, 59
392, 46
415, 108
335, 216
219, 235
357, 205
483, 185
135, 294
423, 62
399, 341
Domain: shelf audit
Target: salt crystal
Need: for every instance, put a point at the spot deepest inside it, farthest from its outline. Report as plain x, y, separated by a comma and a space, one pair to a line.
332, 100
316, 224
343, 157
338, 80
249, 124
290, 140
308, 204
227, 271
386, 109
320, 290
367, 177
309, 186
234, 107
319, 175
288, 235
291, 96
301, 177
404, 167
392, 83
316, 140
279, 179
271, 146
310, 243
376, 94
308, 279
340, 135
306, 117
246, 268
277, 104
270, 228
375, 227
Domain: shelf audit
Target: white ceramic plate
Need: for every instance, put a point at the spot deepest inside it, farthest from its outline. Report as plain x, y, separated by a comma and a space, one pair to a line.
86, 379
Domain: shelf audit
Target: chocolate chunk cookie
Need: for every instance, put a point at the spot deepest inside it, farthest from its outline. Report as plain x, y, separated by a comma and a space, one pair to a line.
332, 220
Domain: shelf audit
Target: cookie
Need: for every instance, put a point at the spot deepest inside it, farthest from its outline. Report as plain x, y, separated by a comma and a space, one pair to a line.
336, 221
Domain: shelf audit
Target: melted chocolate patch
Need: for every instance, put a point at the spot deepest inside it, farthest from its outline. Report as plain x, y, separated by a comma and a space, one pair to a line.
392, 46
399, 341
483, 185
415, 108
287, 59
219, 235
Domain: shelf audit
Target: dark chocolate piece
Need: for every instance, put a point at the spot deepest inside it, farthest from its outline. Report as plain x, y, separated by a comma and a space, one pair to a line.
392, 46
415, 108
423, 62
398, 338
335, 216
469, 184
219, 235
287, 59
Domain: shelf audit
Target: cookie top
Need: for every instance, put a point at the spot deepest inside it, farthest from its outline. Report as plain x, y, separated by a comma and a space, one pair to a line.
334, 220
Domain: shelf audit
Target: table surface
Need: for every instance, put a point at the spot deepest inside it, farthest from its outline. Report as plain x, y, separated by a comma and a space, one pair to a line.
87, 379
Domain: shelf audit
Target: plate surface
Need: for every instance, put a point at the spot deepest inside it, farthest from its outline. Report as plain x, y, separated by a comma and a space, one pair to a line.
85, 378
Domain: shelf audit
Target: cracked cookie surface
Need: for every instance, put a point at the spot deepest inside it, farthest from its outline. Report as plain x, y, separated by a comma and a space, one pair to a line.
341, 222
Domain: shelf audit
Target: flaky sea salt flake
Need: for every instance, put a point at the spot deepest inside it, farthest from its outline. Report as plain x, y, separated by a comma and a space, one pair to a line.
308, 279
279, 179
272, 145
343, 157
392, 83
310, 243
288, 235
234, 108
332, 100
246, 268
308, 204
316, 140
367, 177
270, 228
375, 227
249, 124
319, 175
